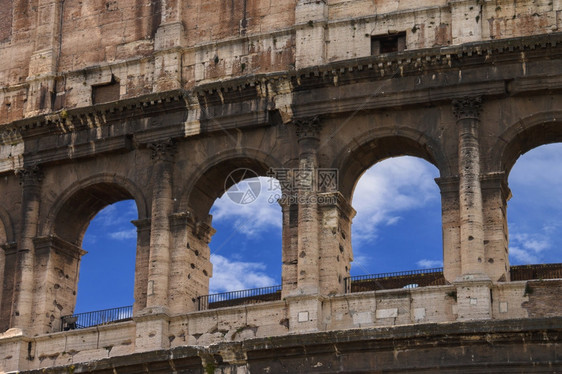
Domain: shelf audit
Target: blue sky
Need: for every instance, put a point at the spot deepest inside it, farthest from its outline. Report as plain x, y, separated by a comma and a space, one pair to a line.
397, 227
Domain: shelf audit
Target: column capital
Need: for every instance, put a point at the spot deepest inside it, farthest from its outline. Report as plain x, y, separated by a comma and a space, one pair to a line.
448, 184
336, 199
31, 175
495, 180
308, 127
467, 107
142, 224
163, 150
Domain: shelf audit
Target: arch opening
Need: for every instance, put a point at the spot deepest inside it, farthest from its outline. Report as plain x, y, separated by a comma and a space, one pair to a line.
244, 245
368, 153
215, 181
96, 271
398, 222
107, 270
80, 208
534, 210
532, 136
246, 248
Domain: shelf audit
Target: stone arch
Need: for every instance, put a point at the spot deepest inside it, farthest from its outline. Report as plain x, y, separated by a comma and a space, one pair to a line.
77, 205
519, 138
524, 135
374, 146
208, 183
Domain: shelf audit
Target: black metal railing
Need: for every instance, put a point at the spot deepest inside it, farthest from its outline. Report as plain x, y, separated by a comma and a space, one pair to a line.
242, 297
99, 317
400, 279
537, 271
434, 277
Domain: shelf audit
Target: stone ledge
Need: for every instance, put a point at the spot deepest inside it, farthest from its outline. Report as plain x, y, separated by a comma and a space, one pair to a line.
501, 344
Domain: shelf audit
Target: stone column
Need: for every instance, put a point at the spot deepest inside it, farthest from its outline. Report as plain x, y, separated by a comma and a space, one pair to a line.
191, 266
336, 254
159, 258
467, 112
141, 263
473, 286
304, 185
289, 252
450, 221
30, 179
57, 265
495, 194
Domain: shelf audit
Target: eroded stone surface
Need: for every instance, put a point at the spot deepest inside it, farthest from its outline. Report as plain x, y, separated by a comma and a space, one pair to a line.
158, 101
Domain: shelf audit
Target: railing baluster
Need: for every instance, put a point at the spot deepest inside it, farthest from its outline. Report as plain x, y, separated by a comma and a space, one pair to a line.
400, 279
100, 317
239, 297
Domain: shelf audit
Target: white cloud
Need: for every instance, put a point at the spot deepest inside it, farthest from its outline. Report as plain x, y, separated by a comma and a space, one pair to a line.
117, 214
522, 256
428, 264
389, 189
527, 248
124, 234
534, 211
539, 167
237, 275
253, 218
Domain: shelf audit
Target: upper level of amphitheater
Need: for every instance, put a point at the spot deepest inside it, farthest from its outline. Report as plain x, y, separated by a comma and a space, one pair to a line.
68, 53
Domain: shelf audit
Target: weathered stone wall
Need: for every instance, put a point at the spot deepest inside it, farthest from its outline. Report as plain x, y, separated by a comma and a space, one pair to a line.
390, 311
146, 48
158, 101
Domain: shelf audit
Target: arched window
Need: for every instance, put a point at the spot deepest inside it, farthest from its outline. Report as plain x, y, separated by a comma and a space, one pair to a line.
534, 211
246, 248
107, 270
398, 221
102, 205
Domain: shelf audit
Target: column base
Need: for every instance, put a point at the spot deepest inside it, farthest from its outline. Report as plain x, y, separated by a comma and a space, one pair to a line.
474, 299
151, 329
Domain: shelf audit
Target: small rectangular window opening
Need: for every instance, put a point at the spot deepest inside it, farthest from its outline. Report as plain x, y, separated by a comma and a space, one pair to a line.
105, 93
381, 44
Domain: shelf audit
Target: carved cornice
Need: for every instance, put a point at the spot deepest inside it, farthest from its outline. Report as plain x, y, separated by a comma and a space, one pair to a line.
308, 127
328, 199
9, 248
181, 219
467, 108
71, 120
496, 180
448, 184
202, 230
390, 65
53, 242
10, 136
30, 176
142, 224
163, 151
